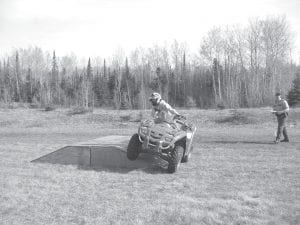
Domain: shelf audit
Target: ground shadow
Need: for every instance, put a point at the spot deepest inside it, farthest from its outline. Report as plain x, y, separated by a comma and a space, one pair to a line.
241, 142
103, 158
146, 162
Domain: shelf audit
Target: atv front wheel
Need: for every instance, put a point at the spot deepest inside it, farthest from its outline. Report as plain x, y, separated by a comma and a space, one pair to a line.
187, 157
134, 147
175, 159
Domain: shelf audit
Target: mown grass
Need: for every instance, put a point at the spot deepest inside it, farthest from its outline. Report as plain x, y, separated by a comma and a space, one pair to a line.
235, 176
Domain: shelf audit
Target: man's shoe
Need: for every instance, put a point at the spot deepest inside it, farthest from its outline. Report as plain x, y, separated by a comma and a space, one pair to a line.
285, 140
276, 141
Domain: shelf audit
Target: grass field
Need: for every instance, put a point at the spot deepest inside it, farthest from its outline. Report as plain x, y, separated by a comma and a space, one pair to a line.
235, 176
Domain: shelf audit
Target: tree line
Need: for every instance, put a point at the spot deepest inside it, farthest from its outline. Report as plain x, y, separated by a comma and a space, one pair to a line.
234, 67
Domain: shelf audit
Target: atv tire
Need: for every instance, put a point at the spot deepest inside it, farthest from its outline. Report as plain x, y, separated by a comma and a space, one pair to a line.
187, 157
175, 159
134, 147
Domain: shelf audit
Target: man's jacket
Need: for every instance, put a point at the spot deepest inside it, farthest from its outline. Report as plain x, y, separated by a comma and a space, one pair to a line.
281, 107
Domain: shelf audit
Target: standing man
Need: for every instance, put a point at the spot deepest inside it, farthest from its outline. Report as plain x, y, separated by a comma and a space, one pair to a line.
281, 109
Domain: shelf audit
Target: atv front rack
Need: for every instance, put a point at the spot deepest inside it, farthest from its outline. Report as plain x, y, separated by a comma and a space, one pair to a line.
155, 140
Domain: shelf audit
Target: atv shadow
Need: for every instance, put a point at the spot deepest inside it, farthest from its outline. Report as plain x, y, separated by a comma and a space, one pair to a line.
147, 163
116, 161
104, 158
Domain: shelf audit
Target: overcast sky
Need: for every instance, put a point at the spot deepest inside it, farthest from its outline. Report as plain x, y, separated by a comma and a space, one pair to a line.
98, 27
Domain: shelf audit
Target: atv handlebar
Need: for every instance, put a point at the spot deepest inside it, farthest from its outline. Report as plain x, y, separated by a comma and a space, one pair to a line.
179, 117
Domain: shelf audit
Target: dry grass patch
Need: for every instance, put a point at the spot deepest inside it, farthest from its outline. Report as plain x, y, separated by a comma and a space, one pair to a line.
238, 117
79, 110
49, 108
235, 175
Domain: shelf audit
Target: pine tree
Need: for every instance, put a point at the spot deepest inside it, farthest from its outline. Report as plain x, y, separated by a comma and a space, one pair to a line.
63, 86
293, 96
17, 81
54, 83
1, 82
89, 92
101, 86
28, 86
162, 82
7, 82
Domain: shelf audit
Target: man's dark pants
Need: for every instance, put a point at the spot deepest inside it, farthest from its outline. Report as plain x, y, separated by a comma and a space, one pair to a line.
282, 126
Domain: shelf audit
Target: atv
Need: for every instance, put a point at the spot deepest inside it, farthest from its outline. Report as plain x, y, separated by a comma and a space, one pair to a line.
172, 142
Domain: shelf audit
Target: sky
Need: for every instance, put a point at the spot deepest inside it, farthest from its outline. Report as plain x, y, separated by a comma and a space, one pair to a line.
92, 28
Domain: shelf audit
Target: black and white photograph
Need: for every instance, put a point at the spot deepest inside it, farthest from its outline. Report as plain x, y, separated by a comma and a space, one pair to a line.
150, 112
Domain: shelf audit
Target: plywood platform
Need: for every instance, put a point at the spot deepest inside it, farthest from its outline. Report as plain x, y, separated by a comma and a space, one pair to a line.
105, 152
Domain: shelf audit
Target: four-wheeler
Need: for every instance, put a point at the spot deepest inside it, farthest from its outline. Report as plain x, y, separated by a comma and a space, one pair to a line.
170, 141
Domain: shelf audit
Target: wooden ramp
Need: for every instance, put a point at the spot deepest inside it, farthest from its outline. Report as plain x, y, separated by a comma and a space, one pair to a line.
105, 152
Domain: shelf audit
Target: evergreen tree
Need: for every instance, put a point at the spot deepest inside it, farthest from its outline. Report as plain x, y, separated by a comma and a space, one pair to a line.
54, 83
1, 82
28, 86
105, 96
100, 89
172, 89
89, 92
293, 96
63, 86
7, 82
111, 84
17, 81
162, 82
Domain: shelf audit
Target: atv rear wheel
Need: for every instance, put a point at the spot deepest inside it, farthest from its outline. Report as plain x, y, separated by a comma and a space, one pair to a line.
175, 159
134, 147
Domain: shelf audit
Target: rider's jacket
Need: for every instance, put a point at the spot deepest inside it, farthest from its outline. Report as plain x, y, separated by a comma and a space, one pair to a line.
163, 112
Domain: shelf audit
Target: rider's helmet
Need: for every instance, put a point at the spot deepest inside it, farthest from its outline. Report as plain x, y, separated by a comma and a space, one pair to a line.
155, 98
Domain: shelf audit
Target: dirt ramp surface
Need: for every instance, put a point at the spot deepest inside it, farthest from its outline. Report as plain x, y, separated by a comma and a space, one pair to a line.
107, 153
76, 155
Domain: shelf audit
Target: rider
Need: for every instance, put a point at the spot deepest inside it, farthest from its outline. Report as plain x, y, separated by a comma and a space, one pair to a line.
161, 111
